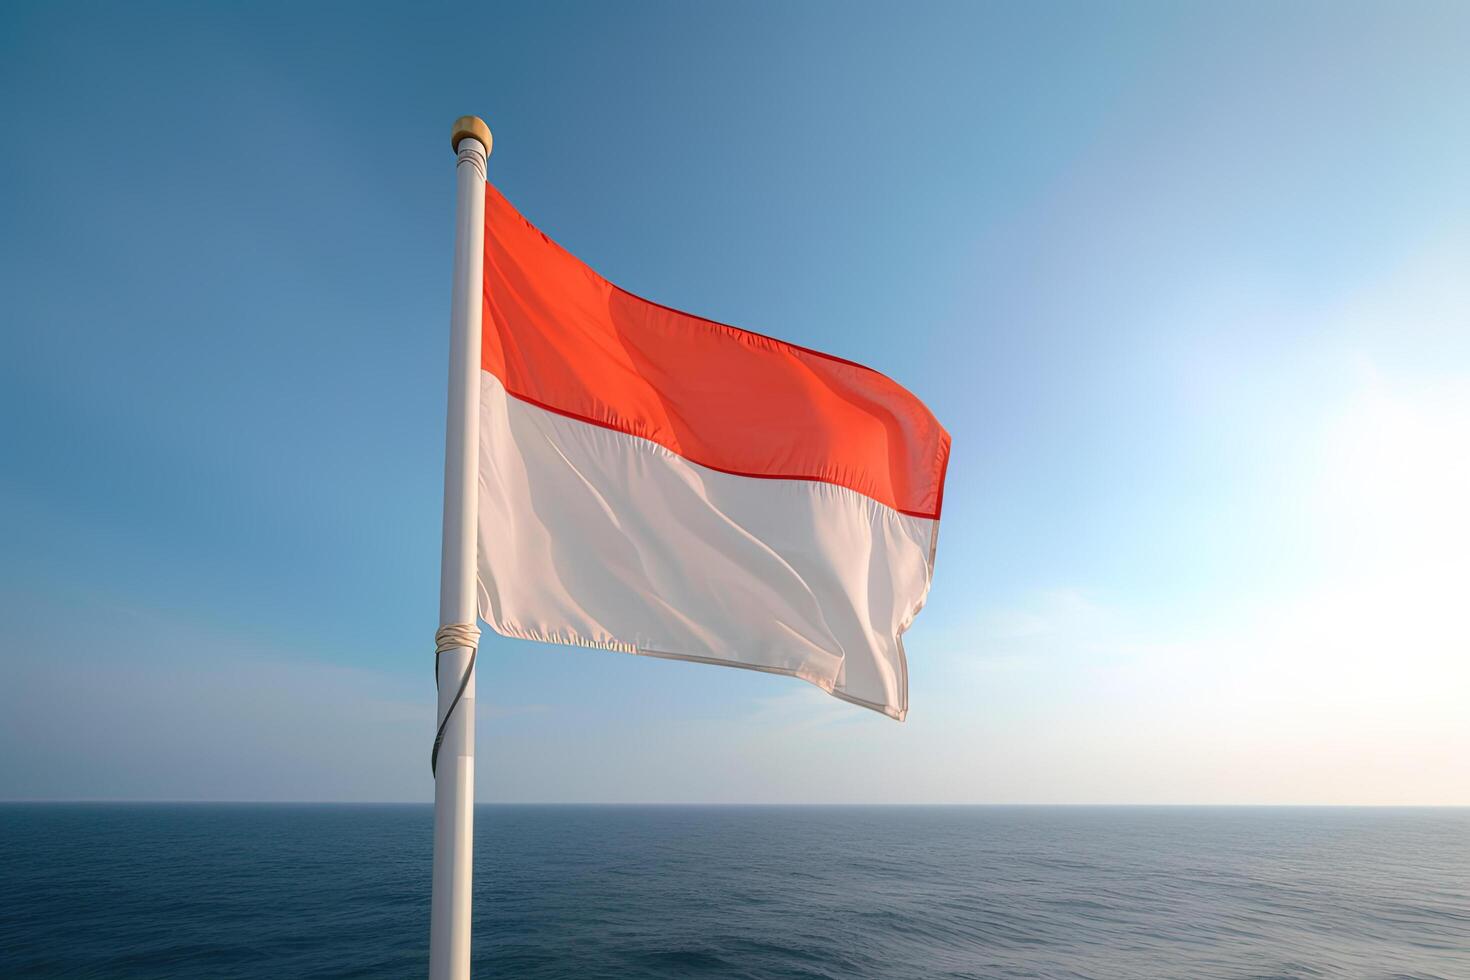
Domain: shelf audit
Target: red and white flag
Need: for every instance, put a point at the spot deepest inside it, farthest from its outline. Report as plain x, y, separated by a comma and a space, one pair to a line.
659, 483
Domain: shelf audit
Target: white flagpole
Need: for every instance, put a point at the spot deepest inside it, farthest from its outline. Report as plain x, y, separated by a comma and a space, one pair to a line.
454, 779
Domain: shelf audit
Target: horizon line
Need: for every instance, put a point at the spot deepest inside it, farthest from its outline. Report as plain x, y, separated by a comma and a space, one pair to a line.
771, 804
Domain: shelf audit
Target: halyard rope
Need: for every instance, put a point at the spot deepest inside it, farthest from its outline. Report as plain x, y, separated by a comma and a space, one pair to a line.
452, 636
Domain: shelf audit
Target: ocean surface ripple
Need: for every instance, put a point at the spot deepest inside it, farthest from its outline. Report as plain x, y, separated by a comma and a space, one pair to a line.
315, 891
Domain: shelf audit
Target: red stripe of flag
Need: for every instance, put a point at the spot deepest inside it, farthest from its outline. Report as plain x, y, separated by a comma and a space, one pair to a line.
560, 336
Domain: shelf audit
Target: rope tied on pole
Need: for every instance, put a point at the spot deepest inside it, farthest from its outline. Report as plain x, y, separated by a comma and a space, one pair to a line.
452, 636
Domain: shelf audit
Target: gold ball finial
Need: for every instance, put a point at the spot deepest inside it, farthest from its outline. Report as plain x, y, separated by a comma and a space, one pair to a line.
471, 126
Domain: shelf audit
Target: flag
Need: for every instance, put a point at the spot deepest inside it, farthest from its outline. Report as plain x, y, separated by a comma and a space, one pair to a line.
658, 483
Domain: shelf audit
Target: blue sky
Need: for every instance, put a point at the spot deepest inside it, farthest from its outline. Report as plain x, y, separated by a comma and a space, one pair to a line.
1185, 282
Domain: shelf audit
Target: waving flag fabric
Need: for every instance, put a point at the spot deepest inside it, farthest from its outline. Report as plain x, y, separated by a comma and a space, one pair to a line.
658, 483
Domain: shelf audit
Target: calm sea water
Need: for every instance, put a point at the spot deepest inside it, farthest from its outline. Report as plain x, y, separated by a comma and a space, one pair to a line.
207, 891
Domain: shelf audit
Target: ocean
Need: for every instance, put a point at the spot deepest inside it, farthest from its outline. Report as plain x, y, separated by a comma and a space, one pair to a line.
282, 891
